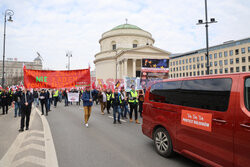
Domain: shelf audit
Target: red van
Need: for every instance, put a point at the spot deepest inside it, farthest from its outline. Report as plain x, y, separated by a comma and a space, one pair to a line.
205, 118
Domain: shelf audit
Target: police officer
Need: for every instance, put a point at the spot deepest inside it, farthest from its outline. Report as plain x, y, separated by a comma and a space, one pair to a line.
108, 94
133, 103
55, 96
26, 102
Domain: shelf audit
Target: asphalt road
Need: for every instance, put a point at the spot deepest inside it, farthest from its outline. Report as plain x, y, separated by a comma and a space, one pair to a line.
103, 144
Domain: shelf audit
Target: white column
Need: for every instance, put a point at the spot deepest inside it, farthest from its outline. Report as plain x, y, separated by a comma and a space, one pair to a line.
125, 67
122, 68
134, 67
118, 70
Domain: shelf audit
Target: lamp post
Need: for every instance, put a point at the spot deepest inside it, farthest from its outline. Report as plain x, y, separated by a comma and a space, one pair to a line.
212, 20
69, 55
9, 13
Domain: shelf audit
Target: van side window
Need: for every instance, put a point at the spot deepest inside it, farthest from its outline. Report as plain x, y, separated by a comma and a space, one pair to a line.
166, 92
247, 93
211, 94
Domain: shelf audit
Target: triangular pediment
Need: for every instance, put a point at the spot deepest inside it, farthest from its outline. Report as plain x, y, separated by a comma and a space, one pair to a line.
146, 49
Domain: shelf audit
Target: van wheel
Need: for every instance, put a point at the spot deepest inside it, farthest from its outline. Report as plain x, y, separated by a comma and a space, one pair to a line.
163, 142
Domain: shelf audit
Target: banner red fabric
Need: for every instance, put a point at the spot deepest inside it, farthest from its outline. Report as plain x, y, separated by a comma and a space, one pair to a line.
56, 79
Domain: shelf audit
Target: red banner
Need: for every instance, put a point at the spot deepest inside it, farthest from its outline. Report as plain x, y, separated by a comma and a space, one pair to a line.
56, 79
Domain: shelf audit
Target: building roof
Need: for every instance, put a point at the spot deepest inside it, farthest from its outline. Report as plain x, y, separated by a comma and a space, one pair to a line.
126, 26
37, 59
212, 48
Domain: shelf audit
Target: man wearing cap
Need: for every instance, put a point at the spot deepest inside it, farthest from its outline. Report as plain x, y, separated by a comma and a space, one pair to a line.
87, 104
133, 103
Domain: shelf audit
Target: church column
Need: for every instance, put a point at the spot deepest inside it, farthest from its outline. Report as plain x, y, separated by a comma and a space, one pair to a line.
125, 67
118, 70
122, 68
134, 67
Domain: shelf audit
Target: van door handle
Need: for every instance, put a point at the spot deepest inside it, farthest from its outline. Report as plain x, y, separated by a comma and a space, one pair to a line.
220, 120
245, 126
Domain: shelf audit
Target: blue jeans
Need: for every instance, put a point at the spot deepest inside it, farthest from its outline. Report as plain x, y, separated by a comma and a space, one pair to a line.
66, 101
17, 107
115, 110
125, 109
49, 103
36, 101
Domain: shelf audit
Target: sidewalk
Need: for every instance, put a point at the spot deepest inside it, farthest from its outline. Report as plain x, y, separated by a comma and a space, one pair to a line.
26, 149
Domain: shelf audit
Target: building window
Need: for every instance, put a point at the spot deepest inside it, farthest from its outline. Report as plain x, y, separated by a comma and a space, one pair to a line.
183, 61
183, 74
243, 59
176, 62
231, 61
202, 72
225, 54
113, 45
179, 61
248, 68
248, 49
198, 59
135, 44
220, 54
194, 66
236, 51
179, 68
198, 65
174, 69
183, 68
201, 58
190, 60
231, 52
171, 76
186, 60
237, 60
202, 65
215, 71
194, 59
248, 58
190, 67
243, 51
225, 62
221, 71
237, 69
210, 56
226, 70
220, 63
211, 72
171, 63
231, 70
187, 74
190, 74
243, 68
194, 73
215, 63
211, 64
186, 67
176, 75
180, 74
215, 55
198, 73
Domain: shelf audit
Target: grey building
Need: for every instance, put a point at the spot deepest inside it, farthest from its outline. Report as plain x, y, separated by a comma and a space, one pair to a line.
14, 69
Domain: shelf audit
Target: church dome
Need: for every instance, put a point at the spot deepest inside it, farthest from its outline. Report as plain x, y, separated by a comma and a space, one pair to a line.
126, 26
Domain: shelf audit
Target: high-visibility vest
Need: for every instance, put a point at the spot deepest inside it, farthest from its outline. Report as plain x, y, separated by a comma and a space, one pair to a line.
119, 96
108, 96
56, 94
133, 95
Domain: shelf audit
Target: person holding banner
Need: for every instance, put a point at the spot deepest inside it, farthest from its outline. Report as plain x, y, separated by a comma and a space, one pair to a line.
133, 103
87, 104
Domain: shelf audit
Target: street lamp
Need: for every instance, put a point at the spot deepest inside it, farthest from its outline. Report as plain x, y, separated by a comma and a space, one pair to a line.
69, 55
212, 20
9, 13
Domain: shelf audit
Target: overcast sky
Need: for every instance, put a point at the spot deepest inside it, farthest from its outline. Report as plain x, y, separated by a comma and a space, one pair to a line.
52, 27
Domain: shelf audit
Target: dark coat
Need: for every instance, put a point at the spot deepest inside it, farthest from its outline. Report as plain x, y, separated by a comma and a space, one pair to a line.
29, 98
43, 97
4, 99
85, 98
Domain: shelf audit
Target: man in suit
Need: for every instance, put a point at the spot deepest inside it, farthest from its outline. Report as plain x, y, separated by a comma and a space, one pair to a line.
26, 103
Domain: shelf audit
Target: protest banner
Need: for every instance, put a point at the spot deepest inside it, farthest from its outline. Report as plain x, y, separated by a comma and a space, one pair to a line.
73, 97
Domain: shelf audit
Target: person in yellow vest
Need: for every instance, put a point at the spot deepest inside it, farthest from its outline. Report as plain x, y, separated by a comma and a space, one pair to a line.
55, 96
133, 103
108, 94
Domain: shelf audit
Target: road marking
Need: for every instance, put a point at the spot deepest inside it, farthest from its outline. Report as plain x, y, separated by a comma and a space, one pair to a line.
31, 146
113, 118
32, 159
50, 153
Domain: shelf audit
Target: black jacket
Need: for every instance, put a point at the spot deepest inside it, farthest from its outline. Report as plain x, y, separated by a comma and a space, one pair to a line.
29, 99
17, 96
43, 97
4, 98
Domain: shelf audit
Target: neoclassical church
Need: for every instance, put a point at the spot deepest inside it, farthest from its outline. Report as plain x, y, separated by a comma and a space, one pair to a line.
122, 51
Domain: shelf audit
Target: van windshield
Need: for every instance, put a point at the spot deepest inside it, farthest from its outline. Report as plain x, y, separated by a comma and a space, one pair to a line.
247, 93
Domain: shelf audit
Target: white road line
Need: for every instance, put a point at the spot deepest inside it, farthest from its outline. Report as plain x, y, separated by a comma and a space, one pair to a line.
32, 159
113, 118
34, 138
11, 153
50, 152
31, 146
